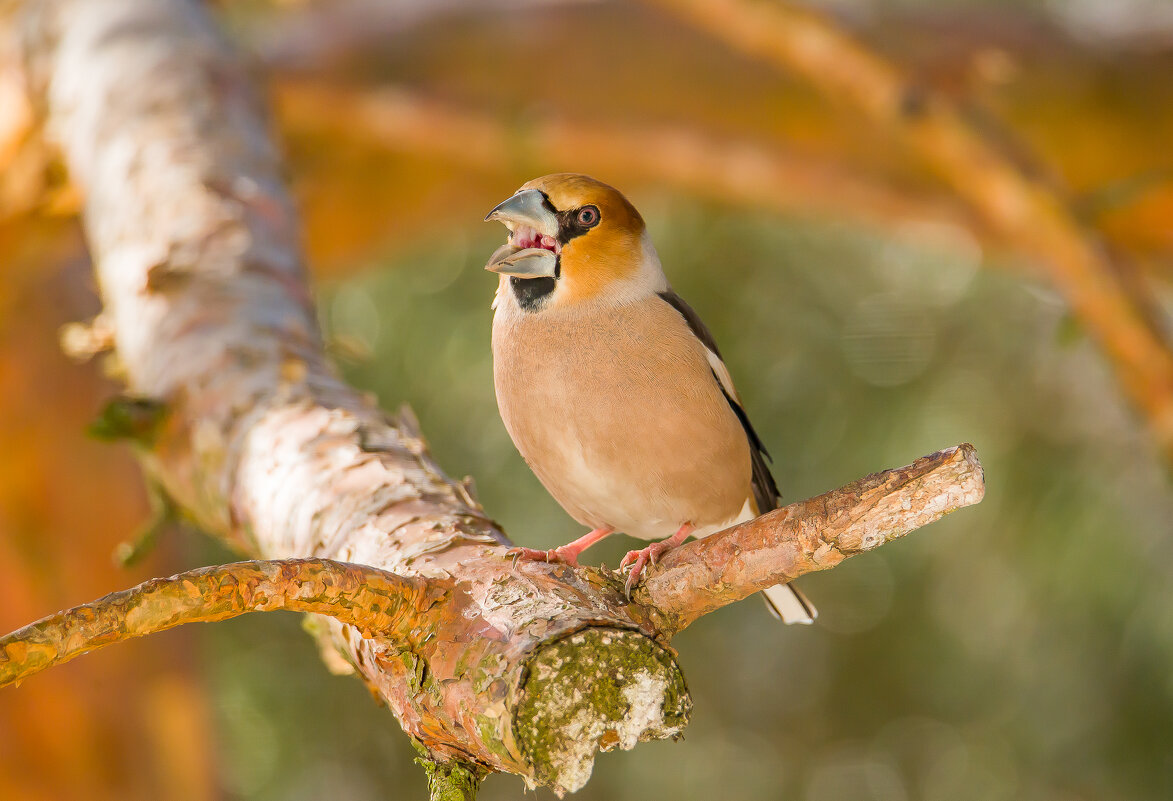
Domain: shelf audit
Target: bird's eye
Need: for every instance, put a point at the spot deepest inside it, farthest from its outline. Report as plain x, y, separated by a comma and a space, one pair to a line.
588, 216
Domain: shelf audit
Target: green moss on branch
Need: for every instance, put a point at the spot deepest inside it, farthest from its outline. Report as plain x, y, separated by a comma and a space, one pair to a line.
598, 689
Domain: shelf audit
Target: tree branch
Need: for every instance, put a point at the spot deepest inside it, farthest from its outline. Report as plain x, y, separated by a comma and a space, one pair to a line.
814, 534
377, 603
1025, 211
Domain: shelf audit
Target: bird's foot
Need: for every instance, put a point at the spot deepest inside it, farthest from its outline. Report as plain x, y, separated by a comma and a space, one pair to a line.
638, 560
566, 556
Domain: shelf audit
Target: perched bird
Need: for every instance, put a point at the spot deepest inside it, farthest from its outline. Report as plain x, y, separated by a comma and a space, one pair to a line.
611, 386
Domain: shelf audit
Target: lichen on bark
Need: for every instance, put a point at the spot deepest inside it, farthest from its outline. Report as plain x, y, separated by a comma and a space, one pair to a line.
596, 690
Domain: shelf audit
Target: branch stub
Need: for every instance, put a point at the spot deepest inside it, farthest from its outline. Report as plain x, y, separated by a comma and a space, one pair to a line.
598, 689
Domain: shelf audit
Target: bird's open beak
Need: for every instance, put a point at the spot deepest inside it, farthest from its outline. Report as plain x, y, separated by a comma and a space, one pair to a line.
532, 249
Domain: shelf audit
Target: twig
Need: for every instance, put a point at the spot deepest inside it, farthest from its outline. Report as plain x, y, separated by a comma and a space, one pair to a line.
374, 601
1025, 212
811, 535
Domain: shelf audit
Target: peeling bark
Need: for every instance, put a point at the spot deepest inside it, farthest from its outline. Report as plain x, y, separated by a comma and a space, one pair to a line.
524, 668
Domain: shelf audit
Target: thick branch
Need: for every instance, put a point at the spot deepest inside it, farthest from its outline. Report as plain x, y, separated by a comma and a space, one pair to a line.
1024, 211
815, 534
377, 603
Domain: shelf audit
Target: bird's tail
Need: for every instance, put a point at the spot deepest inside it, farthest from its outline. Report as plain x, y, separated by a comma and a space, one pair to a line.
788, 604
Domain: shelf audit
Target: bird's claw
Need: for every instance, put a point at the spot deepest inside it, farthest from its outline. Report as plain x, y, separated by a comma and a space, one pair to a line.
633, 557
632, 580
636, 561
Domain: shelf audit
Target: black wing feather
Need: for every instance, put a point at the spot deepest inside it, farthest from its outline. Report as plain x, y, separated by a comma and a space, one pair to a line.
765, 491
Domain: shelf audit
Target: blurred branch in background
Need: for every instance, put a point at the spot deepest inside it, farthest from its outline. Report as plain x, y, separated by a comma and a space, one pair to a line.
729, 170
1000, 203
1115, 308
680, 157
973, 51
687, 158
317, 33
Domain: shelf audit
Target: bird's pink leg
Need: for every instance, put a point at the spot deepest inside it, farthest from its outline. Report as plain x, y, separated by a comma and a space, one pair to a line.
641, 558
567, 553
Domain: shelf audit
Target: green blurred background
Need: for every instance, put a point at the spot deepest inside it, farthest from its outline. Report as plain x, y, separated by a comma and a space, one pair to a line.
1019, 649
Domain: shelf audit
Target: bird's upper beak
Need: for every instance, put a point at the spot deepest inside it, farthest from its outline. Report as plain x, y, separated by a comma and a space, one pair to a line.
527, 207
533, 248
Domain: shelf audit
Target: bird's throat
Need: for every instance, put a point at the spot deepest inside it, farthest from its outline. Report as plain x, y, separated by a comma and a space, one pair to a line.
531, 292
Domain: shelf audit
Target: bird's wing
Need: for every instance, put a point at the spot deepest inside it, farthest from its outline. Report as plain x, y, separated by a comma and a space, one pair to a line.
765, 491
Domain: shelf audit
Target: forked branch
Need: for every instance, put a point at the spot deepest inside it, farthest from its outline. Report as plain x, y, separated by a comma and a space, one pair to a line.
690, 582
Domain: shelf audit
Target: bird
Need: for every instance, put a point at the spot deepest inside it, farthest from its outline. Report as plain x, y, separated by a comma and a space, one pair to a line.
612, 388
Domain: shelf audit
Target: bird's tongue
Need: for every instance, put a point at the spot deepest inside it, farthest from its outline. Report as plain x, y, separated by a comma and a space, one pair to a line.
529, 238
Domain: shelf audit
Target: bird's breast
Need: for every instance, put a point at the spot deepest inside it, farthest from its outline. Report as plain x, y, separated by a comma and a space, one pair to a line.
620, 417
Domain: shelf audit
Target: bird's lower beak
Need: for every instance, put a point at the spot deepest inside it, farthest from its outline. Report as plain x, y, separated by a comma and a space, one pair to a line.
532, 251
525, 263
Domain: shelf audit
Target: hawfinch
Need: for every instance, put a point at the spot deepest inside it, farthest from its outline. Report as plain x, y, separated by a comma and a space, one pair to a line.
611, 386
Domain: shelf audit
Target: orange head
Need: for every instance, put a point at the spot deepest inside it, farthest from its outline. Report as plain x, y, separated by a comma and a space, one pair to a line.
572, 239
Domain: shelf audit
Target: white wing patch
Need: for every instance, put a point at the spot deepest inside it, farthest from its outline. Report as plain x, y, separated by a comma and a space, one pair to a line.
722, 373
